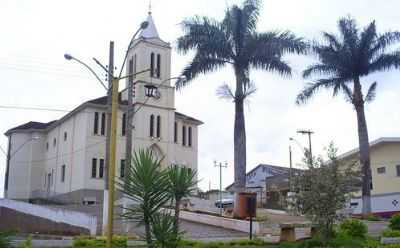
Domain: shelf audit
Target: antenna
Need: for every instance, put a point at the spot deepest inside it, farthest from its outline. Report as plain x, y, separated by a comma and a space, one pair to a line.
149, 7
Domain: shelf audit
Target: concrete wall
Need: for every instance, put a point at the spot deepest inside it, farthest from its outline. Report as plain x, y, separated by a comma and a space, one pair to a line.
33, 218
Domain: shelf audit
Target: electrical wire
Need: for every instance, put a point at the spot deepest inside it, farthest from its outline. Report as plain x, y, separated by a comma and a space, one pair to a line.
32, 108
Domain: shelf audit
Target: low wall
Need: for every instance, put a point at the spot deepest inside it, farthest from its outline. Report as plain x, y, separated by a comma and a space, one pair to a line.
32, 218
233, 224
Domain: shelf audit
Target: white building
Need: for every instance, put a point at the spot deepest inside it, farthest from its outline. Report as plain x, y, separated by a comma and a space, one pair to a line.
63, 160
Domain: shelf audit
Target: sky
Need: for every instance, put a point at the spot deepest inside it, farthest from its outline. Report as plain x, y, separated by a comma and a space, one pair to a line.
36, 34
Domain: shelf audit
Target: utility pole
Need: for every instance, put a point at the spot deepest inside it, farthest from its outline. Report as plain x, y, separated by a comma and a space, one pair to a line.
290, 168
108, 134
308, 132
220, 183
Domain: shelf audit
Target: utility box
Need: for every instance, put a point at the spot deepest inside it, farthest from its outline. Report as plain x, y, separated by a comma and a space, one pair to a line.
247, 205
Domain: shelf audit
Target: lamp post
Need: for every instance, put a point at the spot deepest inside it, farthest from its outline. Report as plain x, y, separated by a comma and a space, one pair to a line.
220, 183
9, 155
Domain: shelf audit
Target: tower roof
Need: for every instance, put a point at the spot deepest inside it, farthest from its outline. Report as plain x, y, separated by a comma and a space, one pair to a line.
151, 30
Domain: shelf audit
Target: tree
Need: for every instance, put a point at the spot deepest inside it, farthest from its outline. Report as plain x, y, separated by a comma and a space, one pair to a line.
343, 60
235, 41
147, 185
323, 189
182, 183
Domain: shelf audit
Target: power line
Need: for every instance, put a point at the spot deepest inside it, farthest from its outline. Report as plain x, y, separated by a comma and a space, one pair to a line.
33, 108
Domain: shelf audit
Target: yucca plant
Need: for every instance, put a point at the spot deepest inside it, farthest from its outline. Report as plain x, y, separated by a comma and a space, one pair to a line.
163, 230
147, 185
182, 183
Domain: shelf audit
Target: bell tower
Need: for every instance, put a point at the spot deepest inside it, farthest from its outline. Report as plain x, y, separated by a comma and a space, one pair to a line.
151, 54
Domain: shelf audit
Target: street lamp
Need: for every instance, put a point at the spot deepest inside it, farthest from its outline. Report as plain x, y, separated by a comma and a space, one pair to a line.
113, 136
10, 155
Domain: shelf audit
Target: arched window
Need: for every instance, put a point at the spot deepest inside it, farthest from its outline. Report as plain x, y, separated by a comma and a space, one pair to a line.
184, 135
158, 65
190, 136
151, 125
158, 126
152, 65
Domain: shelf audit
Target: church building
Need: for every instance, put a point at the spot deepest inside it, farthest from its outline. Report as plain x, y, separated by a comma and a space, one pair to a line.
64, 160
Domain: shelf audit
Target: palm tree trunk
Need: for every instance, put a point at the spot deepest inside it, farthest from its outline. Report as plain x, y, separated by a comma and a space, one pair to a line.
363, 141
176, 217
147, 231
239, 138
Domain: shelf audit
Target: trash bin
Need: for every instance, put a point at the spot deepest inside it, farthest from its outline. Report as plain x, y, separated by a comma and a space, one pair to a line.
247, 204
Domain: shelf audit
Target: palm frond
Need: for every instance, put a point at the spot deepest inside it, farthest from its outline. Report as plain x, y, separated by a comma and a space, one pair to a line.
310, 90
199, 65
349, 31
225, 92
385, 62
371, 94
320, 69
273, 64
383, 41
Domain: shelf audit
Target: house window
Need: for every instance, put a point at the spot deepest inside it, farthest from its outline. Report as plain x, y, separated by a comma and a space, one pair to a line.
398, 170
158, 126
94, 167
96, 123
63, 173
101, 168
190, 136
123, 124
184, 135
65, 136
103, 123
152, 65
176, 132
381, 170
151, 125
158, 65
122, 168
54, 142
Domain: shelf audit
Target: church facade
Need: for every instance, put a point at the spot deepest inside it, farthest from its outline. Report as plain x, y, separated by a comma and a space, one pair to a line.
64, 160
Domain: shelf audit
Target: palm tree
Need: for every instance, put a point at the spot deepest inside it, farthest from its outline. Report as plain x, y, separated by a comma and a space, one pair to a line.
343, 60
235, 41
147, 185
182, 183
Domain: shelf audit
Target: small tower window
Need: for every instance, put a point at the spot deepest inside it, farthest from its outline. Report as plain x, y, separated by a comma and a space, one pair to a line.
101, 168
158, 65
103, 124
54, 142
96, 123
152, 126
130, 72
65, 136
134, 65
94, 167
190, 136
123, 124
152, 65
184, 135
158, 126
122, 168
63, 173
176, 132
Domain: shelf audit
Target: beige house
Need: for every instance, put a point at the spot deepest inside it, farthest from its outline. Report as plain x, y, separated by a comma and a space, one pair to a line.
385, 166
64, 160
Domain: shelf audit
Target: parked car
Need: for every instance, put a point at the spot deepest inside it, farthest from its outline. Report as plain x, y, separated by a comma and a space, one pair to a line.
224, 203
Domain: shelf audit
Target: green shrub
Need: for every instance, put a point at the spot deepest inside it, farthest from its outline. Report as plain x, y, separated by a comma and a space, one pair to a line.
99, 242
27, 243
5, 239
391, 233
353, 228
371, 217
395, 222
